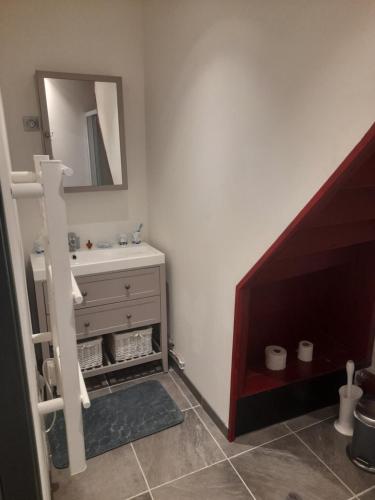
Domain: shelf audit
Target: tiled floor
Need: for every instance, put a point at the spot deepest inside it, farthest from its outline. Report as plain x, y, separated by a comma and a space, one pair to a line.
302, 459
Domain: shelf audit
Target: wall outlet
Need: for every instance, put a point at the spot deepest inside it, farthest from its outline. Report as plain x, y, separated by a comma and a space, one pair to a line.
177, 358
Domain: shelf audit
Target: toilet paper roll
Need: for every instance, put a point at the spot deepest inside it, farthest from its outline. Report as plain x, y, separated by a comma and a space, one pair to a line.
305, 351
275, 357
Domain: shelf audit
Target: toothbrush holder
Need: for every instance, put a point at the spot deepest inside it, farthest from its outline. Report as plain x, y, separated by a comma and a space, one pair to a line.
137, 237
344, 424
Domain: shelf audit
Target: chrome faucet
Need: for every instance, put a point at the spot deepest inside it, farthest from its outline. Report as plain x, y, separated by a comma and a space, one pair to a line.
74, 243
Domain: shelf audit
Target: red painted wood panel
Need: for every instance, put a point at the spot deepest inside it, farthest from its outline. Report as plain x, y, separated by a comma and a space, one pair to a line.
316, 282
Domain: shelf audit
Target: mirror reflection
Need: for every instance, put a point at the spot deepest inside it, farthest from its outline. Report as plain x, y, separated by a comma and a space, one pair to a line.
82, 127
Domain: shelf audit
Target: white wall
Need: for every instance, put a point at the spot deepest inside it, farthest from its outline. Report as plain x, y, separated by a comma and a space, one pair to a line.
106, 98
67, 103
250, 105
85, 36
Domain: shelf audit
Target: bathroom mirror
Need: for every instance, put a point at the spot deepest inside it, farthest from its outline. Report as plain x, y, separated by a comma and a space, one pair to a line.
83, 126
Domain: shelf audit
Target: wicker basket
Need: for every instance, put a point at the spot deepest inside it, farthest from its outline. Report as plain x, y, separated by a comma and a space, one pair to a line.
130, 345
90, 354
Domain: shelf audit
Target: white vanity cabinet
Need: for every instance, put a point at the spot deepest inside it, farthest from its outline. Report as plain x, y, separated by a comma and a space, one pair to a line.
116, 301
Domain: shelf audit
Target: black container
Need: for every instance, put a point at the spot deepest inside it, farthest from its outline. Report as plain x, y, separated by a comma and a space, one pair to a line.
362, 449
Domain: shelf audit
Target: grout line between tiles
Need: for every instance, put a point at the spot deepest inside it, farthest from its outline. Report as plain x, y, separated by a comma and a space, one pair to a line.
288, 433
322, 461
149, 490
176, 379
243, 482
188, 409
225, 455
194, 406
188, 474
217, 444
226, 458
260, 445
371, 488
310, 425
137, 495
143, 472
210, 433
182, 392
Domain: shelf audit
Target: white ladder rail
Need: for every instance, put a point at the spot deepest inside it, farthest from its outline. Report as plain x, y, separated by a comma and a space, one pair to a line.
59, 290
46, 184
26, 190
42, 337
23, 176
77, 295
17, 265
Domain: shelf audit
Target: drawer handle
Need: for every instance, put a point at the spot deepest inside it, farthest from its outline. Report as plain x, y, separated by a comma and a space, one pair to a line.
84, 294
87, 324
127, 287
128, 316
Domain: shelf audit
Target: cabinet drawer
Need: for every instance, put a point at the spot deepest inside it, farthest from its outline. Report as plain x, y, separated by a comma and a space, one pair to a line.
100, 289
117, 317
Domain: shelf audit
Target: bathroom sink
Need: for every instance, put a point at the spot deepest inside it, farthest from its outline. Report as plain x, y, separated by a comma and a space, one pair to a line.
101, 260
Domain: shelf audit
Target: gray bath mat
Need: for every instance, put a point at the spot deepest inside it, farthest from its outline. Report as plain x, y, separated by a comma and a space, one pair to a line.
118, 418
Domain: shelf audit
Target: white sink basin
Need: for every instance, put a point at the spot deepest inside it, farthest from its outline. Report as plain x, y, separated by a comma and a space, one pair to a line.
102, 260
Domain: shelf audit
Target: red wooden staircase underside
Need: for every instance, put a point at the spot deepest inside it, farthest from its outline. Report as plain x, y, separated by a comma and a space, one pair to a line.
316, 282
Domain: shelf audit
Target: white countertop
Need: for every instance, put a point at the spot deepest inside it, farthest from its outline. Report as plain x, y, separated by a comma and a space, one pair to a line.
102, 260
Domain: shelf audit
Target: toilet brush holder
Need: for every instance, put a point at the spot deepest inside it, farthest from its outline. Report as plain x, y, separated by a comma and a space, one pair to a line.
348, 402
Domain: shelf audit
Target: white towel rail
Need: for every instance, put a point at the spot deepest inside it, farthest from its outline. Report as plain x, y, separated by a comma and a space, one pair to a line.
24, 176
77, 295
50, 406
63, 292
27, 190
39, 338
84, 395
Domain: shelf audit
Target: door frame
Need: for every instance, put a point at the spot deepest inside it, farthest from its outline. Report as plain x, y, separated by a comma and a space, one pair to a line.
19, 468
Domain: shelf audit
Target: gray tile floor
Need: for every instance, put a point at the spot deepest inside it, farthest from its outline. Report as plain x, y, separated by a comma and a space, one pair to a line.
301, 459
